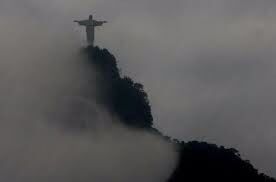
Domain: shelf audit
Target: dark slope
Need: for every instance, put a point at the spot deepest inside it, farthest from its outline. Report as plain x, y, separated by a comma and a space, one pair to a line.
120, 95
198, 161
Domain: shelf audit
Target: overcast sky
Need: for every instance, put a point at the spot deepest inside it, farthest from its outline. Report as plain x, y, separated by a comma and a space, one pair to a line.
208, 65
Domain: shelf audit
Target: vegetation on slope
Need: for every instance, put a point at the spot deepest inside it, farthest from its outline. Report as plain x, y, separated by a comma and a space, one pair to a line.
198, 161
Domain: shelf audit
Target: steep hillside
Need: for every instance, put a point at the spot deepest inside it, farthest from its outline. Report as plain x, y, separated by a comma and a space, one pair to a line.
198, 161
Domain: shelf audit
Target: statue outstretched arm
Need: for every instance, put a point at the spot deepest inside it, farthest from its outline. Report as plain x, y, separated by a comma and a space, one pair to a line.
82, 22
98, 23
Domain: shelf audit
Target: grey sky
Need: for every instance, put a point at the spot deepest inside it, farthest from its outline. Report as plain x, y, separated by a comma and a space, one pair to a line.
208, 65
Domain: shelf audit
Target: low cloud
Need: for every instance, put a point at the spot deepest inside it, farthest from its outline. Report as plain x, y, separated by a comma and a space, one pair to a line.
44, 90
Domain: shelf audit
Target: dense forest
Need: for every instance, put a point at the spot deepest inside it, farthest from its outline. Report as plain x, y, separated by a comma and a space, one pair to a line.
198, 161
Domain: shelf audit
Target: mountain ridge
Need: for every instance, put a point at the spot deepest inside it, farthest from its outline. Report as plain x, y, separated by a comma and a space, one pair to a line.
198, 161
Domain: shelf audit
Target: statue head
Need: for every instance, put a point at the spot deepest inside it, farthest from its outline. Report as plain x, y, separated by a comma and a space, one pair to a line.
90, 17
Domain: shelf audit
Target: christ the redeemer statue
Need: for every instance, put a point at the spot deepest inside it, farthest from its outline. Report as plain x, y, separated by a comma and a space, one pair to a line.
90, 25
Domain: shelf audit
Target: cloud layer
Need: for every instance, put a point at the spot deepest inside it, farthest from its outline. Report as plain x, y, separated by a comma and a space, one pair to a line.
46, 90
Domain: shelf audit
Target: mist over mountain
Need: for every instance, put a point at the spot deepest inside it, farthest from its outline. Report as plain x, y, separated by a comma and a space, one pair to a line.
54, 123
68, 115
197, 161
